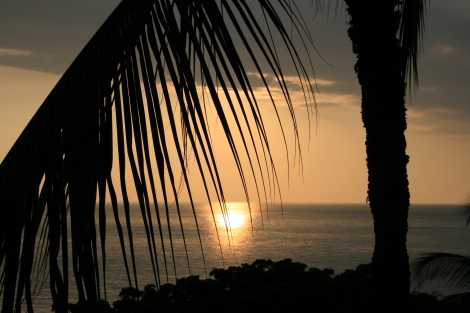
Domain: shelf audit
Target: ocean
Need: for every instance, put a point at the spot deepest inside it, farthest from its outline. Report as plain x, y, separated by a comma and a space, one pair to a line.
337, 236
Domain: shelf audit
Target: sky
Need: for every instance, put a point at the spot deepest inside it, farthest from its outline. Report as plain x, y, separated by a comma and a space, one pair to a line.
39, 40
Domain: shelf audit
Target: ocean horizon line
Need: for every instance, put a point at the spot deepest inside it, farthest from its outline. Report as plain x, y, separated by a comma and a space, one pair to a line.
292, 203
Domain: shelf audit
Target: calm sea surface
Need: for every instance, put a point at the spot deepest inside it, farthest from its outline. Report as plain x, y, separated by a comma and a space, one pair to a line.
337, 236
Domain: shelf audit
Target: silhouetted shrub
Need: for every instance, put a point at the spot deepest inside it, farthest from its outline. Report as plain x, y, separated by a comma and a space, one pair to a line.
267, 286
86, 306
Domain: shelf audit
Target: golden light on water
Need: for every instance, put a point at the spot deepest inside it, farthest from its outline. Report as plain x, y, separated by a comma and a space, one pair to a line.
237, 215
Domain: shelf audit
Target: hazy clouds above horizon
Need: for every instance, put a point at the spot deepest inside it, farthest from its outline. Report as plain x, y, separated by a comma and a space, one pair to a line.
46, 36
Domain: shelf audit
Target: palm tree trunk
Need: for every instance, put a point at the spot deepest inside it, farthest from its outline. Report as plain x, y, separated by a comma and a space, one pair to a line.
373, 30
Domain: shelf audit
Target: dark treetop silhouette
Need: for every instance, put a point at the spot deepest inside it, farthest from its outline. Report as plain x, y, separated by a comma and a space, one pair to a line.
144, 52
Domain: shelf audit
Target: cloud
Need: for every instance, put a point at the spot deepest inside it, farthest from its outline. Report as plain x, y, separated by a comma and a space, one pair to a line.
414, 113
323, 82
428, 89
443, 110
444, 49
413, 127
13, 52
439, 122
455, 136
291, 81
327, 100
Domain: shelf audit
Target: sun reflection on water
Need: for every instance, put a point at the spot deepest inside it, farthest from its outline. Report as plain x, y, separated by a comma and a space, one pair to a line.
237, 216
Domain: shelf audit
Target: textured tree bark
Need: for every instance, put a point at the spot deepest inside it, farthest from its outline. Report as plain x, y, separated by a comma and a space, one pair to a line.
373, 32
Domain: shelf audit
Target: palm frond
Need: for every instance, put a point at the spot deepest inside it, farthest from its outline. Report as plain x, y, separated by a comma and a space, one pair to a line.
151, 65
457, 298
452, 270
410, 33
411, 36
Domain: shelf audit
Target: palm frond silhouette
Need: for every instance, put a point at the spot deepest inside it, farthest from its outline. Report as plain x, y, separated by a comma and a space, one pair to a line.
450, 269
148, 59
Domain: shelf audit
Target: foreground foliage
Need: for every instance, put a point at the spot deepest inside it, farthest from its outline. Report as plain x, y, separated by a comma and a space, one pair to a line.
265, 286
449, 269
141, 98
